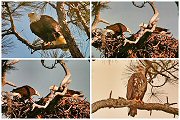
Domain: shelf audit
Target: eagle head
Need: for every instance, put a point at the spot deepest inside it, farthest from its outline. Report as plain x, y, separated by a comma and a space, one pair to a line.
33, 17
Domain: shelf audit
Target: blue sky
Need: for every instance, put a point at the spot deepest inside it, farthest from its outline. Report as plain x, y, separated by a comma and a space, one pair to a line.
131, 16
22, 26
32, 73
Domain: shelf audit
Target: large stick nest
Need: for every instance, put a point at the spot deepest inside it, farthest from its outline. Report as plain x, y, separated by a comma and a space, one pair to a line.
59, 107
150, 45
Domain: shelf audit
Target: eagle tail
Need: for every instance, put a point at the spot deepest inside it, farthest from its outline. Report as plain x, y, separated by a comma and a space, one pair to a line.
60, 41
132, 112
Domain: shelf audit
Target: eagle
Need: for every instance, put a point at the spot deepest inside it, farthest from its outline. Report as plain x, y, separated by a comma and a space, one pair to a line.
118, 29
69, 93
136, 88
46, 28
25, 92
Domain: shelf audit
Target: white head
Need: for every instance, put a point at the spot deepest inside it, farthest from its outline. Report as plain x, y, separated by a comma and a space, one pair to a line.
33, 17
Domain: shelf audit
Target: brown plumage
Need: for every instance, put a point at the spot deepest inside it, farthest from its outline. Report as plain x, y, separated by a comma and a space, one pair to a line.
118, 29
136, 88
159, 29
69, 93
46, 28
26, 92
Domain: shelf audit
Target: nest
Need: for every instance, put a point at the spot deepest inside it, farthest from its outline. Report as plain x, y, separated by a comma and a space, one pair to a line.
59, 107
150, 45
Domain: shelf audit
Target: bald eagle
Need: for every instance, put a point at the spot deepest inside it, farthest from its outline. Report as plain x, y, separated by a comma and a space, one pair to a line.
136, 88
25, 92
46, 28
69, 93
118, 29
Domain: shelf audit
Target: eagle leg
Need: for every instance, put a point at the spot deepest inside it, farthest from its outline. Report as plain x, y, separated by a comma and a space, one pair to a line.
139, 101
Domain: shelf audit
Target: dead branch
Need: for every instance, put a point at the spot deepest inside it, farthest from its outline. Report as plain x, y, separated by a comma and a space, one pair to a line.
67, 76
121, 102
50, 97
5, 67
146, 28
97, 18
63, 85
49, 67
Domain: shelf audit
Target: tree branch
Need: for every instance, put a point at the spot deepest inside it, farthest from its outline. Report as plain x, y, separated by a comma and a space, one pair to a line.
83, 21
97, 17
146, 28
67, 76
4, 72
121, 102
74, 50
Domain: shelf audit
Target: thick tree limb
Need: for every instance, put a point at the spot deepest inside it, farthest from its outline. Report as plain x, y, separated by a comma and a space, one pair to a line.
146, 28
63, 86
50, 97
67, 76
121, 102
74, 50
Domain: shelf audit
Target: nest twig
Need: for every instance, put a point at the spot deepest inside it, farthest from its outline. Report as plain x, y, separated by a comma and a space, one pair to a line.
59, 107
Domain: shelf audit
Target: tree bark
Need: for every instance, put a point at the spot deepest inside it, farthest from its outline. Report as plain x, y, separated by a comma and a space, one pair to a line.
74, 50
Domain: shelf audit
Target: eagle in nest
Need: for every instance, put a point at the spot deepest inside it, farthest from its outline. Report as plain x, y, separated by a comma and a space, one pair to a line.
46, 28
136, 88
118, 29
25, 92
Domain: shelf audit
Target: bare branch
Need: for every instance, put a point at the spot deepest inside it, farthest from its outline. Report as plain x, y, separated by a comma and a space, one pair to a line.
146, 28
97, 18
121, 102
67, 76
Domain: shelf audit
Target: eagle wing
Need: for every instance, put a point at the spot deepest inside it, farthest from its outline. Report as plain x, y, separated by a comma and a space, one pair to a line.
137, 86
143, 86
116, 28
130, 85
50, 23
46, 28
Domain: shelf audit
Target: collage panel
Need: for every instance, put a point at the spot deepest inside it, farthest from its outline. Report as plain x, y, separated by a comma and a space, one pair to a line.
126, 29
89, 59
45, 89
135, 88
42, 29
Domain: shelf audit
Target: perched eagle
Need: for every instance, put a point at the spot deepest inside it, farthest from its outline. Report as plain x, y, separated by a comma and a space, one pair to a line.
136, 88
118, 29
46, 28
25, 92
